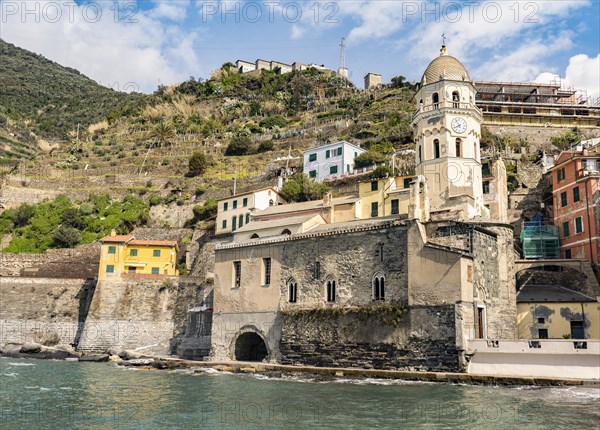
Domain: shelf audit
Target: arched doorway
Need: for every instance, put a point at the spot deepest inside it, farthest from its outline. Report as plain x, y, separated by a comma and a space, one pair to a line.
250, 347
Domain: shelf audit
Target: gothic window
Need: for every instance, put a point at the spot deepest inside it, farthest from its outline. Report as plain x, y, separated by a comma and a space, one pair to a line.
292, 291
379, 286
455, 99
330, 287
458, 147
247, 218
436, 100
436, 148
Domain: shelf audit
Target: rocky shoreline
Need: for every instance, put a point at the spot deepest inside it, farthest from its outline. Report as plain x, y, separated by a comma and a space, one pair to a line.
318, 374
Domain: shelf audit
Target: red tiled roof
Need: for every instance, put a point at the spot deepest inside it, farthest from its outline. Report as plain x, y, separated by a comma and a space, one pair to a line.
117, 238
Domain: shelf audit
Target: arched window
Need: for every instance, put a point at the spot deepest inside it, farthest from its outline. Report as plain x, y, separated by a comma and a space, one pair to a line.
254, 236
241, 220
286, 231
436, 148
247, 218
455, 99
379, 286
436, 100
330, 286
292, 291
271, 202
458, 147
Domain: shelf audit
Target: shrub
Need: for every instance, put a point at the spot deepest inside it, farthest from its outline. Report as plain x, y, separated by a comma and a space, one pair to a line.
300, 188
205, 211
273, 121
240, 145
369, 158
265, 146
200, 189
197, 164
155, 201
66, 236
381, 172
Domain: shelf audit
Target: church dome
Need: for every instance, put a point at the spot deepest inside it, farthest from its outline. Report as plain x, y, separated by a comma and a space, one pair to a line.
444, 67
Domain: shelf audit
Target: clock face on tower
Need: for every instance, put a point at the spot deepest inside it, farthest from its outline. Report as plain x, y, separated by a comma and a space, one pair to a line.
459, 125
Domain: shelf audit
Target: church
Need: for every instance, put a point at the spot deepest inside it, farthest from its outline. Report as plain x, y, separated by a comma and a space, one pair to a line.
395, 292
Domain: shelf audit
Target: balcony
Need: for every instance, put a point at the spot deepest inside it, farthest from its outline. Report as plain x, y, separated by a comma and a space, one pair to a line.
587, 172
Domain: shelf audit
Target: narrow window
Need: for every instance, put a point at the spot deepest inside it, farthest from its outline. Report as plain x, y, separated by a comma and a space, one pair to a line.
235, 204
568, 254
455, 99
458, 147
420, 158
225, 206
312, 157
436, 148
245, 202
240, 221
293, 291
578, 225
331, 290
436, 100
566, 229
317, 273
333, 170
155, 271
110, 268
266, 271
406, 182
379, 287
374, 185
247, 218
133, 252
112, 249
542, 333
234, 223
348, 168
576, 194
563, 199
395, 207
486, 187
327, 153
340, 150
237, 273
156, 253
374, 209
224, 225
312, 174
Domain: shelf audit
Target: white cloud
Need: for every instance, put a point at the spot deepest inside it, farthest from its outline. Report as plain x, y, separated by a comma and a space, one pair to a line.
140, 51
582, 73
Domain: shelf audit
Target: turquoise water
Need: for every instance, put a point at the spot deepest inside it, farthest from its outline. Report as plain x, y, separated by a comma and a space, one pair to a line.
39, 394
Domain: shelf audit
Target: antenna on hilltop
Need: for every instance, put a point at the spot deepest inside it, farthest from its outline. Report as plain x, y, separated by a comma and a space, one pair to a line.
342, 71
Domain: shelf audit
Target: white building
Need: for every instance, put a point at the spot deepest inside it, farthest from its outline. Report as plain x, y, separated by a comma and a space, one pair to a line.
330, 161
235, 211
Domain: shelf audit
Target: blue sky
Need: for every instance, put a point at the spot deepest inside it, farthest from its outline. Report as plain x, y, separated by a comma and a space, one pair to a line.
142, 44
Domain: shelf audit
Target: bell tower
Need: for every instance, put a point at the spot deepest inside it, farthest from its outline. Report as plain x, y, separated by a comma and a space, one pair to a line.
447, 131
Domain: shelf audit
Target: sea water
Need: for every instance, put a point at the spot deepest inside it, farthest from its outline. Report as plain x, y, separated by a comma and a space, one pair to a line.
38, 394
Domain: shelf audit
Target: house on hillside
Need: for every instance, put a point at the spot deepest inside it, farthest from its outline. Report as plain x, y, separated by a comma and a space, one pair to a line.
331, 160
123, 256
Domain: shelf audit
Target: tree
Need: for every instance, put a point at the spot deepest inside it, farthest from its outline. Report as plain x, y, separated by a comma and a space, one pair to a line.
301, 188
567, 139
240, 145
370, 158
66, 236
197, 164
22, 214
398, 81
162, 133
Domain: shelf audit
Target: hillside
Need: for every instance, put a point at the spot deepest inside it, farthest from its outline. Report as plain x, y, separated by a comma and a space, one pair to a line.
52, 99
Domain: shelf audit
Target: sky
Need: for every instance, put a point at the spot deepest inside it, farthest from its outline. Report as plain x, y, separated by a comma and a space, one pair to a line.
138, 45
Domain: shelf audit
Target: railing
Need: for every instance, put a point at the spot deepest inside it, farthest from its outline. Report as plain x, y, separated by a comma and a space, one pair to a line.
542, 346
588, 172
447, 104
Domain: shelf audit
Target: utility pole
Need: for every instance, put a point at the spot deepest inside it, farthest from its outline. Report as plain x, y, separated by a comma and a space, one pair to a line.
343, 71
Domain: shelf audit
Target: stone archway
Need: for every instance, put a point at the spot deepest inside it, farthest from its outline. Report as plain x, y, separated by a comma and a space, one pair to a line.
250, 346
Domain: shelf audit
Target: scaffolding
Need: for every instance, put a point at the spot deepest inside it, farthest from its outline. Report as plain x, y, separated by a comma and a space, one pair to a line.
539, 240
536, 93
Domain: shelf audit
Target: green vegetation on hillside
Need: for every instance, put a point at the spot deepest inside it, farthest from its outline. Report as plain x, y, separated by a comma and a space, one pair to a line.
53, 99
62, 223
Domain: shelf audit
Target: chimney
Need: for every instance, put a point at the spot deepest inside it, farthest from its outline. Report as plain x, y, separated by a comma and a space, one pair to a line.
327, 199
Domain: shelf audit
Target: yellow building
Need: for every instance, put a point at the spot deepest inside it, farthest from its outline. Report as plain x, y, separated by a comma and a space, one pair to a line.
126, 257
553, 312
384, 197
